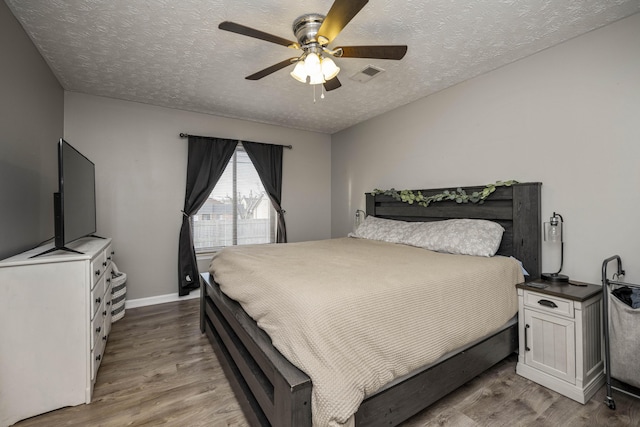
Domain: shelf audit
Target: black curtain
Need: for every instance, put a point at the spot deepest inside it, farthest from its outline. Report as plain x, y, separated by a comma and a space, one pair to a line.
267, 159
206, 162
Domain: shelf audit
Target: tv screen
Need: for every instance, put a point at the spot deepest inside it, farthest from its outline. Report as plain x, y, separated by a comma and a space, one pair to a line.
77, 198
74, 205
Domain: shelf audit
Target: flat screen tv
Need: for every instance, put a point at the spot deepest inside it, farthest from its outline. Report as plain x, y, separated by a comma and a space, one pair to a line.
74, 205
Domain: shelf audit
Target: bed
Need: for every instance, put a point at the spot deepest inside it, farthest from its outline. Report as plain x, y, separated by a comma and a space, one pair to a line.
272, 391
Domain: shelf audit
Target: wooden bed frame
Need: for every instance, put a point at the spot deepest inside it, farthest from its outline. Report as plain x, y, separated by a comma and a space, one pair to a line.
273, 392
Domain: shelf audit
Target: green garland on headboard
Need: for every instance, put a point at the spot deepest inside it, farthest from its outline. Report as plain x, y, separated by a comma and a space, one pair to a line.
459, 194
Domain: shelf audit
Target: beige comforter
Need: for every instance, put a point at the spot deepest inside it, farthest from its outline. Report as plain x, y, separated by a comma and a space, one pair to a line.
354, 314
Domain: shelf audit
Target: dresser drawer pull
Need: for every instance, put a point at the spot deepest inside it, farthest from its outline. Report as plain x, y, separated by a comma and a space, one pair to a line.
104, 313
98, 329
97, 272
547, 303
526, 346
98, 300
104, 338
108, 280
99, 357
104, 263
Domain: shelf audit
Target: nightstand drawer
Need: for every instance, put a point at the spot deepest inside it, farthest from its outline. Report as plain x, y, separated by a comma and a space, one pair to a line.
548, 304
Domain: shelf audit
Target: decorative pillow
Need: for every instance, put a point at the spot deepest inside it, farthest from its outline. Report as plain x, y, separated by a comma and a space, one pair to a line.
386, 230
458, 236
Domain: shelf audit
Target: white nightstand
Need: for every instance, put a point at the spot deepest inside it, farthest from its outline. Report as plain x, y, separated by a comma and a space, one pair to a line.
560, 336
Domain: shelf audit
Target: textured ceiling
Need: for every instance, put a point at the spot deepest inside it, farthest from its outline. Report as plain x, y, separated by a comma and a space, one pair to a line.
171, 53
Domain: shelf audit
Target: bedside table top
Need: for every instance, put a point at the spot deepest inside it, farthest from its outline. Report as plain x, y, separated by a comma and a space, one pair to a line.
564, 290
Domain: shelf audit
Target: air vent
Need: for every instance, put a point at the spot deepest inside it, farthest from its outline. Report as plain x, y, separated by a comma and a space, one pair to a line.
367, 73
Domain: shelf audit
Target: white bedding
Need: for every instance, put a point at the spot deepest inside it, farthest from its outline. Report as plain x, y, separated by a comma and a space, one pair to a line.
354, 314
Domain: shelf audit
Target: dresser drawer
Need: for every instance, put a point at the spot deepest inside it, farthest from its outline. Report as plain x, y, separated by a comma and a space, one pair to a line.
548, 304
108, 296
97, 296
96, 358
98, 267
109, 253
97, 326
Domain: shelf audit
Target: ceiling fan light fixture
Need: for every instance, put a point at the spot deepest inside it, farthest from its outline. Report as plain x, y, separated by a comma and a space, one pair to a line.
299, 72
329, 68
312, 64
316, 79
317, 68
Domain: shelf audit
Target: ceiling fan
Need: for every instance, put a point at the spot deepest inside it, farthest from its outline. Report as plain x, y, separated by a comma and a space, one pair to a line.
314, 33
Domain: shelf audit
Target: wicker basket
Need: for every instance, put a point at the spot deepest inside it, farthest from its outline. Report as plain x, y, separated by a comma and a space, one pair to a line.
118, 293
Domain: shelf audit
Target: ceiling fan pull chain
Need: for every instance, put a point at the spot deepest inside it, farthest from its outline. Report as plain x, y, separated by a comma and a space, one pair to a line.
321, 91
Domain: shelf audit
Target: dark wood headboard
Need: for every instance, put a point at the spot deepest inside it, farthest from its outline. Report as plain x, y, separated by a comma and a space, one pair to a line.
516, 208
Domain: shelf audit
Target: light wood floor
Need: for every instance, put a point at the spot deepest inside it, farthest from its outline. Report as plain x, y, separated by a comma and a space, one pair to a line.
159, 370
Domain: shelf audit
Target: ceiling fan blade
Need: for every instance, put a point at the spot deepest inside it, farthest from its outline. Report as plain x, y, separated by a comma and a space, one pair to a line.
341, 12
378, 52
332, 84
269, 70
251, 32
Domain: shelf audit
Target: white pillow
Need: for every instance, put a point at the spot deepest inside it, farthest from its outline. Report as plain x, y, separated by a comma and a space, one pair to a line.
386, 230
458, 236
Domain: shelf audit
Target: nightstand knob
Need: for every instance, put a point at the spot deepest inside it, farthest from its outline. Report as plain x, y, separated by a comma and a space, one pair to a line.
547, 303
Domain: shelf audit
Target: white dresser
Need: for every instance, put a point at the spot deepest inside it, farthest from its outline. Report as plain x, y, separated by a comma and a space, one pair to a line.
55, 317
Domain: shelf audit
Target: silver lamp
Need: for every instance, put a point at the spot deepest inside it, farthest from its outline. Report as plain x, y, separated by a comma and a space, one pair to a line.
360, 216
553, 232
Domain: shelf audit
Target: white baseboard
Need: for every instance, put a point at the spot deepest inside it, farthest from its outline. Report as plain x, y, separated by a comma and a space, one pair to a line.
160, 299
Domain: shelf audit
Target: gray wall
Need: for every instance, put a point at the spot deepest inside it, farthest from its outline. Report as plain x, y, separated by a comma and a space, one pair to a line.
141, 172
31, 121
579, 101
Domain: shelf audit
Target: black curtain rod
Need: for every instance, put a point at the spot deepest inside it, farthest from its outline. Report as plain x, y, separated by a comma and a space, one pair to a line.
186, 135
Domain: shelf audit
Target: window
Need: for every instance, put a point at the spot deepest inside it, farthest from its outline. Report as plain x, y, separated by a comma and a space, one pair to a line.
238, 210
